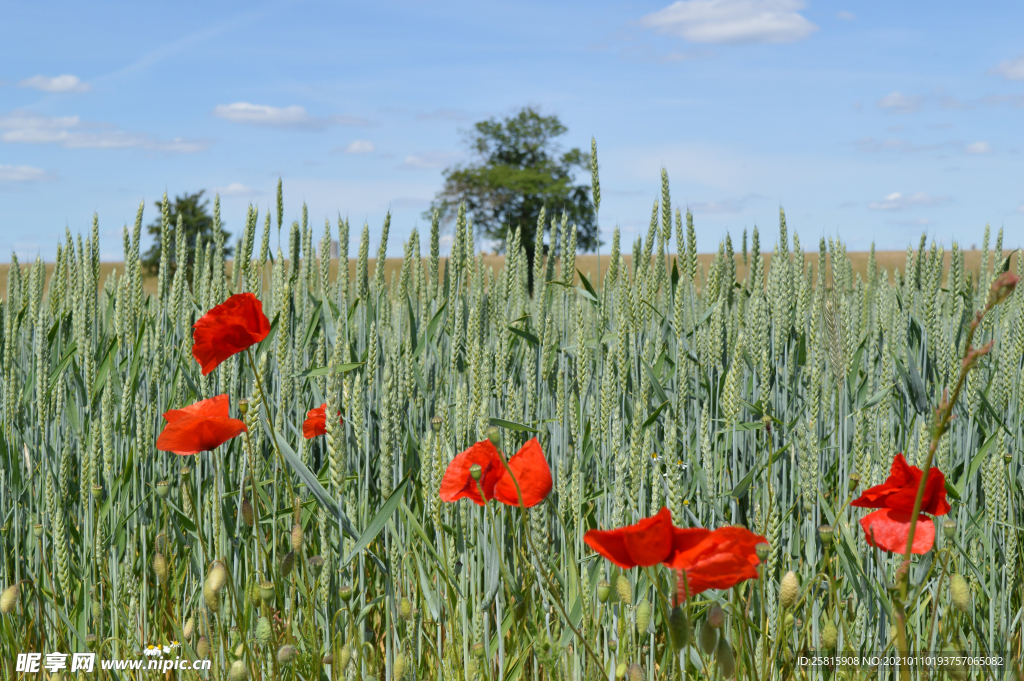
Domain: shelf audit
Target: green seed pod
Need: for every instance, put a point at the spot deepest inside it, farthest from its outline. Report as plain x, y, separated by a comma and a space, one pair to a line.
948, 528
211, 598
762, 550
343, 657
476, 472
826, 534
829, 635
954, 671
267, 592
789, 590
679, 626
37, 530
345, 592
613, 645
297, 537
203, 648
636, 672
623, 589
90, 641
398, 667
238, 671
478, 650
854, 481
287, 653
248, 516
708, 638
620, 670
186, 631
405, 608
725, 659
9, 599
327, 659
316, 566
160, 566
287, 563
643, 616
163, 489
218, 577
716, 616
97, 610
436, 423
604, 590
959, 592
253, 592
263, 631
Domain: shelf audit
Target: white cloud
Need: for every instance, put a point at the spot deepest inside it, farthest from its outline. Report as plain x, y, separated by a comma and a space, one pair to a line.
360, 147
897, 102
978, 148
235, 189
732, 21
22, 174
430, 160
281, 117
64, 83
897, 201
846, 16
71, 132
1012, 69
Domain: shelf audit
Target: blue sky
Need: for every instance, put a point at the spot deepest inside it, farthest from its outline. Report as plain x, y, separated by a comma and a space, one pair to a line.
871, 120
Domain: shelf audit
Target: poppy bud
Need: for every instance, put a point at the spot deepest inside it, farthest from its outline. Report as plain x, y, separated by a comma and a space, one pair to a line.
604, 590
163, 489
959, 592
636, 672
263, 631
286, 654
37, 530
478, 650
238, 671
185, 472
398, 667
287, 563
267, 591
620, 670
343, 657
160, 566
435, 424
203, 648
97, 491
623, 589
788, 620
327, 659
829, 635
9, 599
761, 550
948, 528
90, 641
405, 608
613, 644
475, 472
789, 590
243, 407
186, 631
218, 576
716, 616
248, 517
826, 534
493, 434
679, 626
316, 566
854, 481
297, 537
725, 659
211, 598
851, 606
708, 638
345, 592
643, 616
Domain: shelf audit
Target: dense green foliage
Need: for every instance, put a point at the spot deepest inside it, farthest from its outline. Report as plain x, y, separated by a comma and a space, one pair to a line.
186, 219
768, 401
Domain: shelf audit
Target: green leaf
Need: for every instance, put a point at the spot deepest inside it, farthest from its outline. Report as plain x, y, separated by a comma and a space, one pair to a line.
875, 399
435, 321
329, 369
654, 415
525, 335
655, 383
976, 462
512, 425
586, 284
378, 522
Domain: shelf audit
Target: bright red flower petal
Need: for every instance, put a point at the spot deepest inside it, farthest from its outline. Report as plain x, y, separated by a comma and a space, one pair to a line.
228, 329
457, 481
316, 422
648, 542
899, 490
888, 530
531, 471
716, 560
200, 427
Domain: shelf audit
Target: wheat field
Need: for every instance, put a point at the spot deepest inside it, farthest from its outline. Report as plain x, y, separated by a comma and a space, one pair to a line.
735, 388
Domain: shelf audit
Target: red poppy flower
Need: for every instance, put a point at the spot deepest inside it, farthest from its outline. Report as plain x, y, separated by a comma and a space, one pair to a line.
645, 543
528, 466
531, 471
889, 527
316, 422
199, 427
714, 560
228, 329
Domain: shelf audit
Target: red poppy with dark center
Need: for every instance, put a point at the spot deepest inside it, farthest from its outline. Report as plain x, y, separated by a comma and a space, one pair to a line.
231, 327
316, 422
528, 466
199, 427
889, 527
718, 559
645, 543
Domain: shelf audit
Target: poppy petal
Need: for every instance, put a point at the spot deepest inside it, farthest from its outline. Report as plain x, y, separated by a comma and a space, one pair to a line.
457, 481
531, 471
315, 423
649, 542
683, 540
612, 545
888, 529
214, 407
717, 571
198, 433
227, 329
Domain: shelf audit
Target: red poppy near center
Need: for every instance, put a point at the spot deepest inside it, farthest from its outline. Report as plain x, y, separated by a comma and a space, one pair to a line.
233, 326
528, 467
316, 422
199, 427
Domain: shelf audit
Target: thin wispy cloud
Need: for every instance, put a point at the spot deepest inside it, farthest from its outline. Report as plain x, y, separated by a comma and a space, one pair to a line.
898, 201
1012, 69
732, 21
360, 147
26, 127
280, 117
22, 174
897, 102
428, 161
978, 148
64, 83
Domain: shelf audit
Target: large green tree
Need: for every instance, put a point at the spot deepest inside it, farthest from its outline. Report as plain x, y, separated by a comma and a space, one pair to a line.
519, 168
196, 221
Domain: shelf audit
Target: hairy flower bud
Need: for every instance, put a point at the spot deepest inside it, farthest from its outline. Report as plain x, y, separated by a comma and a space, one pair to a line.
725, 659
643, 616
287, 563
203, 648
297, 537
287, 653
398, 667
708, 638
218, 577
623, 589
9, 599
211, 598
959, 592
248, 516
160, 566
405, 608
263, 631
789, 590
829, 635
679, 626
238, 671
186, 631
716, 616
